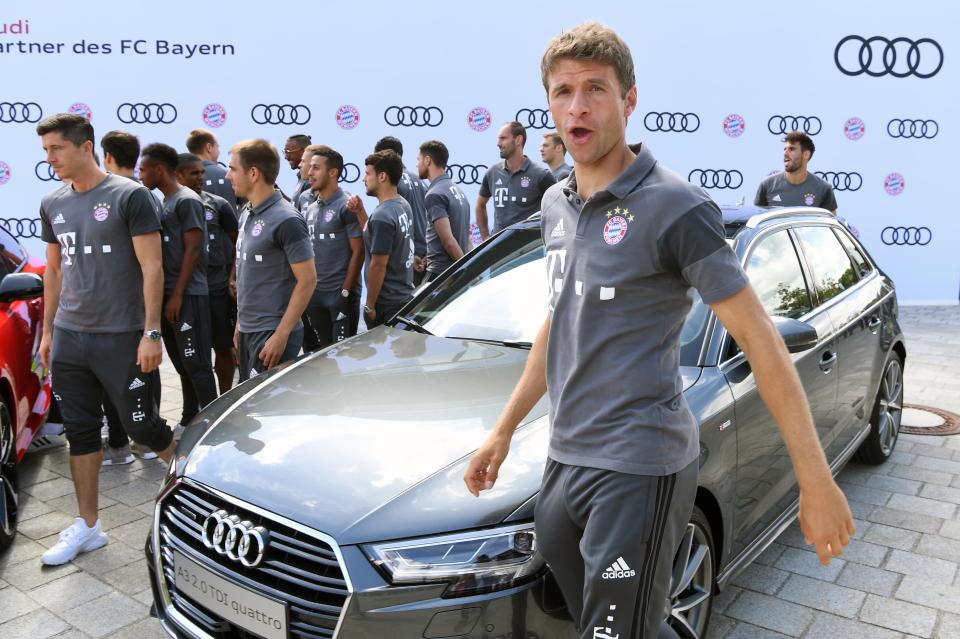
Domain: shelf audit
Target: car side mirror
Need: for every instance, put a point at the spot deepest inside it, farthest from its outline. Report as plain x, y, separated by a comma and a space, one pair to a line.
20, 286
798, 336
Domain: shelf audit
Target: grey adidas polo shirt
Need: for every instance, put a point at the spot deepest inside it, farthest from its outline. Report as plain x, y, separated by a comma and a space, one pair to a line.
102, 287
272, 237
221, 221
303, 186
411, 189
389, 231
446, 200
515, 196
183, 211
331, 228
619, 270
776, 190
562, 172
215, 181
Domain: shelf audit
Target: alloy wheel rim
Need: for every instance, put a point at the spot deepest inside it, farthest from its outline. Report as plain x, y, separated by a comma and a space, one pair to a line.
8, 492
691, 589
891, 407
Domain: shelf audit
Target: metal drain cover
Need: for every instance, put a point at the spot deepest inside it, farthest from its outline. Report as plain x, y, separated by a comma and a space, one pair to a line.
927, 420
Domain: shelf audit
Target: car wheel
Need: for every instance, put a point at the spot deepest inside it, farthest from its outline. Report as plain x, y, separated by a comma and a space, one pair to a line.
8, 479
692, 585
886, 415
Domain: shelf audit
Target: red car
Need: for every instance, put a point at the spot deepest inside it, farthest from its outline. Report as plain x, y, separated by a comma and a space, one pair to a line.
24, 384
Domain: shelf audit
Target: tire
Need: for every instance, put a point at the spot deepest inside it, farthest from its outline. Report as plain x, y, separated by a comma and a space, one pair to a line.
8, 479
885, 416
693, 585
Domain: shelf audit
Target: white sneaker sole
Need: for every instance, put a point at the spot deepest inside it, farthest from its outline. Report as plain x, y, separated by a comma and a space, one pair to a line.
97, 541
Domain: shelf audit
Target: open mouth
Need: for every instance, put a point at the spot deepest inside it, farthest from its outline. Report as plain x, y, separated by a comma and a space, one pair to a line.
579, 134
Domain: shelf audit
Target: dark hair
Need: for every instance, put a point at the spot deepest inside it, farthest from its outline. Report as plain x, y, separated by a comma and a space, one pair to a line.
517, 129
162, 153
334, 159
72, 126
801, 138
386, 161
261, 154
186, 159
300, 139
436, 151
389, 142
123, 147
199, 138
555, 139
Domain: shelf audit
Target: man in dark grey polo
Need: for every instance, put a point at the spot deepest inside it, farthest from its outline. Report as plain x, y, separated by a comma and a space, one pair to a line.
388, 237
626, 240
203, 144
553, 153
275, 273
103, 287
515, 184
795, 186
307, 195
334, 310
413, 191
448, 212
185, 323
221, 242
293, 153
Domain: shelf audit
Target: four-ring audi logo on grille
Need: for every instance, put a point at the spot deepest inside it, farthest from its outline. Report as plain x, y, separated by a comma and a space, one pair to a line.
20, 112
716, 178
782, 124
280, 114
898, 128
350, 173
671, 122
906, 235
841, 180
21, 226
535, 118
466, 173
240, 540
45, 172
877, 56
413, 116
146, 113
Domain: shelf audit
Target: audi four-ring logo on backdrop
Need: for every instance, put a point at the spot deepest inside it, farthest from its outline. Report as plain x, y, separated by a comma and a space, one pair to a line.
671, 122
413, 116
239, 540
878, 56
783, 124
466, 173
898, 128
841, 180
535, 118
146, 113
350, 173
20, 112
44, 172
906, 235
280, 114
21, 226
716, 178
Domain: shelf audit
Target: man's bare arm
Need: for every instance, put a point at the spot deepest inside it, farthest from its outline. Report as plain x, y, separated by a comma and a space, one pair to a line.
481, 213
150, 255
445, 233
52, 281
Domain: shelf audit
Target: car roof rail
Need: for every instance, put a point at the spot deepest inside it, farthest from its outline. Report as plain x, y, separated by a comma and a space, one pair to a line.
759, 218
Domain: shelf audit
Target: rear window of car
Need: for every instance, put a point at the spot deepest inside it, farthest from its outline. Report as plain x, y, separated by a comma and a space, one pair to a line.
832, 268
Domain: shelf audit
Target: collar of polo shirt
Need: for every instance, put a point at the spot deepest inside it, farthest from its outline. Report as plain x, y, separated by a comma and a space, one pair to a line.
270, 201
627, 181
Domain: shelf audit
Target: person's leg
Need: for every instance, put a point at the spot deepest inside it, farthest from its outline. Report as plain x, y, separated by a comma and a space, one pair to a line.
321, 327
311, 341
188, 399
294, 343
194, 344
117, 437
250, 345
353, 313
221, 336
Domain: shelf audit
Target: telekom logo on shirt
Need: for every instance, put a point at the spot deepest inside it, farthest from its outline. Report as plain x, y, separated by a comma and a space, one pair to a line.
500, 196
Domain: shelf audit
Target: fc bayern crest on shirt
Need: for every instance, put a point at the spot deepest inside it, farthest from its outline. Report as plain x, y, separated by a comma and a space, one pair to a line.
209, 215
525, 182
257, 228
479, 119
328, 215
81, 109
734, 125
854, 128
616, 227
101, 212
809, 199
214, 115
348, 117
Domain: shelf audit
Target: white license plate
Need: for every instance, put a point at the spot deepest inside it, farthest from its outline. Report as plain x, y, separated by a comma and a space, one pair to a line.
260, 615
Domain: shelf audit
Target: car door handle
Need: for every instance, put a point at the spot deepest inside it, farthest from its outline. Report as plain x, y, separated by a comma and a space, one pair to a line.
873, 324
827, 361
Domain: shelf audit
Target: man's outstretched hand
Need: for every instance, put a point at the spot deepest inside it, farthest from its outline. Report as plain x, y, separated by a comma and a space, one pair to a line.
825, 519
482, 470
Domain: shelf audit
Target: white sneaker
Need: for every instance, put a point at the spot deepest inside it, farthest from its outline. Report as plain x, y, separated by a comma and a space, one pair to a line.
74, 540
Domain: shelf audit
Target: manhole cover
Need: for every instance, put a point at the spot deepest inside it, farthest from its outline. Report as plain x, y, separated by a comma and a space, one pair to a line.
927, 420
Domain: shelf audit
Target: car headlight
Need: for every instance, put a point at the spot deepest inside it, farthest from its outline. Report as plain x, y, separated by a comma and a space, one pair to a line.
473, 562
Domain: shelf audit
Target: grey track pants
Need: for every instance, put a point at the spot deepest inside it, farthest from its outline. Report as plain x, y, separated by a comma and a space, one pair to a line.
610, 539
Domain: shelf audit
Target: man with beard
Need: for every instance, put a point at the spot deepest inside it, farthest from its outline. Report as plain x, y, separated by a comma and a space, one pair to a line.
448, 213
515, 184
795, 186
413, 191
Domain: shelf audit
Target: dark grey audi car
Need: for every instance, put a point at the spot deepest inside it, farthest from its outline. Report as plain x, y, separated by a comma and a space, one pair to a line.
325, 499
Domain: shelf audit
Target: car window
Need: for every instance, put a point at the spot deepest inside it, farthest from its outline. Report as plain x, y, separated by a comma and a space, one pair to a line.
859, 259
12, 254
775, 273
832, 269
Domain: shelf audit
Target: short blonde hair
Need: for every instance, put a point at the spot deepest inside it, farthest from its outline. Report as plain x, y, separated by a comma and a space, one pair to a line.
590, 41
261, 154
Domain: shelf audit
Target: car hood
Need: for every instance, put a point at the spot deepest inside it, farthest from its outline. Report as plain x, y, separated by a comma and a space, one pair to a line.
369, 439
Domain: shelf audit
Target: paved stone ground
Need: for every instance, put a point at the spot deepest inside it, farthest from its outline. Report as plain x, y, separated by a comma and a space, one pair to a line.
899, 578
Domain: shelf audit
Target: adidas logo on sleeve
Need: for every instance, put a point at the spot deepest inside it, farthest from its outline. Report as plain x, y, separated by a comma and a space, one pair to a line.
558, 230
618, 570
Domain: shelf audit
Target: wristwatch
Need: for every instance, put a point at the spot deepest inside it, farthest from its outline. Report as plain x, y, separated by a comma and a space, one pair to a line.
367, 309
153, 335
344, 293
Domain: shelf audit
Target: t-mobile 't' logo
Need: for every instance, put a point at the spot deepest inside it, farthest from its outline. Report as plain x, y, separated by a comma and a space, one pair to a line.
500, 196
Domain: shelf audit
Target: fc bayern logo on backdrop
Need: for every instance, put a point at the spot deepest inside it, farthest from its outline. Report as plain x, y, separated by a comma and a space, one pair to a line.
348, 117
733, 125
101, 212
475, 236
894, 184
854, 128
479, 119
614, 230
4, 173
81, 109
214, 115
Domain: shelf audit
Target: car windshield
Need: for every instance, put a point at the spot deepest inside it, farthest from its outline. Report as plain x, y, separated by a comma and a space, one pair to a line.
499, 294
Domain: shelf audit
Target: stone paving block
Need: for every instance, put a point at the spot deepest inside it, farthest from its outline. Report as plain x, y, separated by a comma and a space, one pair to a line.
111, 477
875, 580
770, 613
941, 493
831, 598
928, 450
910, 563
830, 627
31, 507
14, 603
148, 628
726, 597
865, 553
765, 579
133, 534
29, 574
930, 592
105, 615
134, 492
45, 525
30, 475
39, 624
907, 520
68, 503
859, 509
899, 615
937, 546
951, 529
949, 627
69, 591
749, 631
153, 470
894, 484
147, 508
51, 488
896, 457
922, 506
112, 556
803, 562
118, 515
866, 495
932, 463
145, 596
22, 549
892, 536
921, 474
130, 578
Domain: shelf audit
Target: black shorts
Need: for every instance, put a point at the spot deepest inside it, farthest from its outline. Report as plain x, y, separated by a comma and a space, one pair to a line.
249, 346
223, 320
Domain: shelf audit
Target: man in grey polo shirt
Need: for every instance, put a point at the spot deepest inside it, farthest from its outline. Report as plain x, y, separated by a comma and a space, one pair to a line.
103, 235
553, 153
625, 241
204, 145
388, 237
293, 153
275, 271
413, 191
334, 309
448, 213
308, 194
516, 184
795, 186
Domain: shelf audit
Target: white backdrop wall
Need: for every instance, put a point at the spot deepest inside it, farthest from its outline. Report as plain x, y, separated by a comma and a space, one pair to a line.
753, 59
